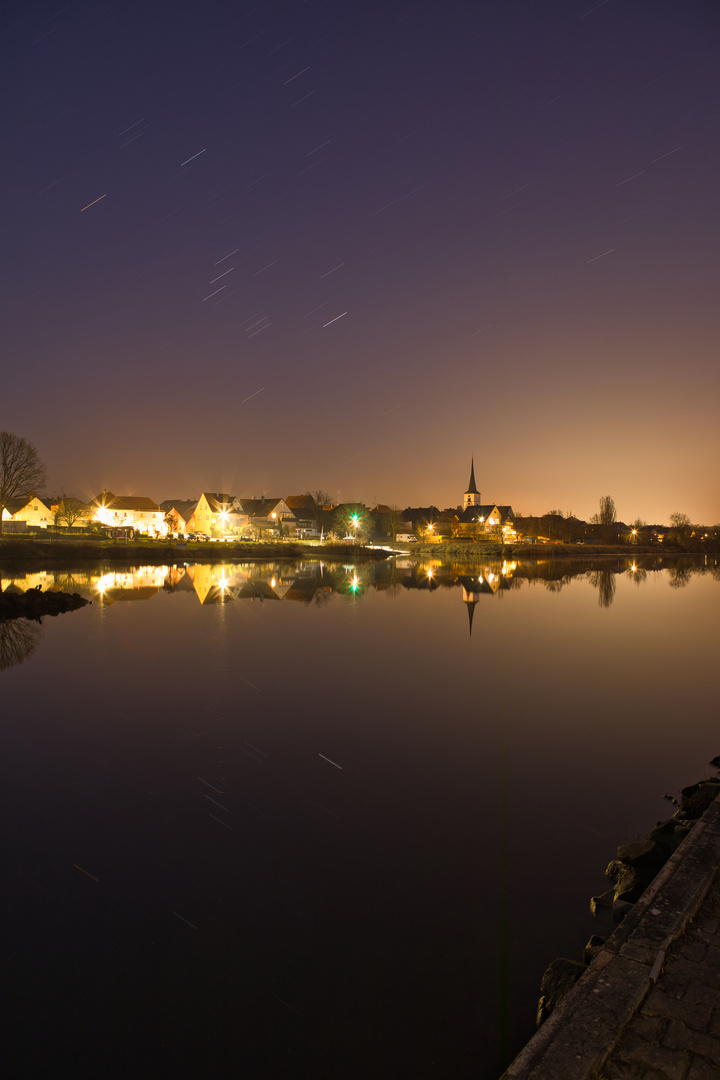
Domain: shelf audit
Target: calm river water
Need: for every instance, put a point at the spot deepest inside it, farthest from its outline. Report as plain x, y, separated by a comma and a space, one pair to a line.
330, 822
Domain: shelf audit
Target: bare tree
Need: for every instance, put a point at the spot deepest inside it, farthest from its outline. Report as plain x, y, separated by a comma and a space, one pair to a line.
70, 510
21, 470
321, 499
394, 520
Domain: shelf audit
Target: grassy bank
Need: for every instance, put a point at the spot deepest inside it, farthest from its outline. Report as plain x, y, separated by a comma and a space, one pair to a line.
20, 551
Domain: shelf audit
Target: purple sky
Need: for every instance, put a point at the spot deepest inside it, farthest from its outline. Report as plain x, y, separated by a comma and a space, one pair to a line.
277, 246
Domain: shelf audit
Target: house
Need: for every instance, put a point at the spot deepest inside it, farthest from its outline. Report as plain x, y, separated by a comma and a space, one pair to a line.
130, 511
267, 514
178, 514
217, 514
31, 509
306, 513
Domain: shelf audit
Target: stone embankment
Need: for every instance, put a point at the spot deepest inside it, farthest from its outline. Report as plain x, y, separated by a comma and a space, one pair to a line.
35, 603
643, 1004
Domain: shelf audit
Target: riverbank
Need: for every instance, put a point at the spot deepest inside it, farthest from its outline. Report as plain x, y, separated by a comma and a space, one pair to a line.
19, 553
648, 999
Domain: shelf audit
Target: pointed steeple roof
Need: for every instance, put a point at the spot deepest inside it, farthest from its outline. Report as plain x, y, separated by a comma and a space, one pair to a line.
472, 490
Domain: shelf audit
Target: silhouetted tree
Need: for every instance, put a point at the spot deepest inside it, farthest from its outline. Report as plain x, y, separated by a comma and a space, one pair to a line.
21, 470
607, 513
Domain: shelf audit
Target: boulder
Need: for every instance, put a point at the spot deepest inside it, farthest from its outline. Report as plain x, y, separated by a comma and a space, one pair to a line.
559, 978
605, 900
632, 881
696, 803
593, 947
643, 853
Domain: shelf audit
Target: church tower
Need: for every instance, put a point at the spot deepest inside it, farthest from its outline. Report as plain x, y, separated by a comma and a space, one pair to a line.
472, 495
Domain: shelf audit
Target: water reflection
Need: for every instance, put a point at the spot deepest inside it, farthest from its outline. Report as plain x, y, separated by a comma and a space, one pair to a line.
604, 582
317, 583
18, 640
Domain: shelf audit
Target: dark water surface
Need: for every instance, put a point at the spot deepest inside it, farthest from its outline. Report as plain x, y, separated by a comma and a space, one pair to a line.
292, 821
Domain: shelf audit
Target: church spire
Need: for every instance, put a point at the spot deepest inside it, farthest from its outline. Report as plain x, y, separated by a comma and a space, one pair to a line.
472, 490
472, 495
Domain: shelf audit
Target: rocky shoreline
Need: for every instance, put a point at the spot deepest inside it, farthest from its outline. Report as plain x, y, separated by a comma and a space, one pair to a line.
636, 865
35, 603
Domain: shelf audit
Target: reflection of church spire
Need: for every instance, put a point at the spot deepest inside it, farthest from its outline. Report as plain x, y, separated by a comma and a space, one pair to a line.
471, 611
470, 595
472, 495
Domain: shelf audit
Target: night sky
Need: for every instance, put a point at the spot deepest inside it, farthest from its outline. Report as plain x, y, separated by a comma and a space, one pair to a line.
266, 247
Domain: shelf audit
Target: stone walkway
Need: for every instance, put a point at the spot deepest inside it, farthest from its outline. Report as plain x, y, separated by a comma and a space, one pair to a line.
648, 1007
675, 1035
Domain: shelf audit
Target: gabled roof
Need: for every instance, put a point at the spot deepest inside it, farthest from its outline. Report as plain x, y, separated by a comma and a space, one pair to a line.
177, 504
259, 507
187, 513
474, 513
218, 500
125, 502
13, 506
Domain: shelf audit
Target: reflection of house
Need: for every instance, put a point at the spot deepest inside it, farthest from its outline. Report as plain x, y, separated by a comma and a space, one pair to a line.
142, 583
214, 584
30, 509
130, 511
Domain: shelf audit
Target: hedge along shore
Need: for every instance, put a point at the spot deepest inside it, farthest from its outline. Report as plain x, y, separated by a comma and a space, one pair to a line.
582, 1033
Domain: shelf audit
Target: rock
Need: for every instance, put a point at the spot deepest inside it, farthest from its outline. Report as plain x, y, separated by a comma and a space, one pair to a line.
621, 908
593, 947
695, 805
613, 869
603, 901
643, 853
559, 978
688, 792
35, 603
632, 881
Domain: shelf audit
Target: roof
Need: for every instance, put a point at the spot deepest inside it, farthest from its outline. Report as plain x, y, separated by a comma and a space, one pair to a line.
177, 504
472, 490
13, 506
218, 500
125, 502
474, 513
300, 502
259, 507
